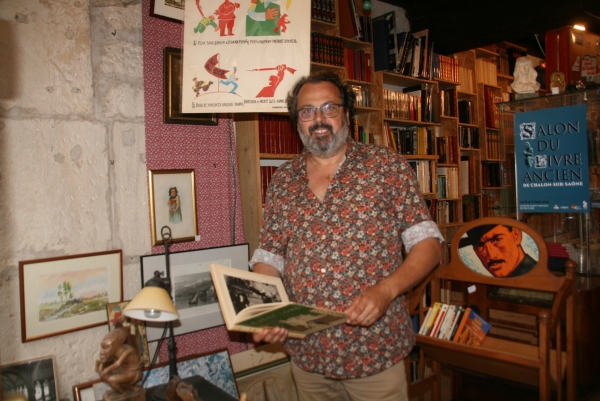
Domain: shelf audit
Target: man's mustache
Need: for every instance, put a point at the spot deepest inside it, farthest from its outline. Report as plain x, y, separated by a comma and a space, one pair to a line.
315, 127
493, 262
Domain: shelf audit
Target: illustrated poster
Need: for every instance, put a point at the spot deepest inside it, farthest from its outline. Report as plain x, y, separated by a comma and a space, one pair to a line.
552, 160
242, 57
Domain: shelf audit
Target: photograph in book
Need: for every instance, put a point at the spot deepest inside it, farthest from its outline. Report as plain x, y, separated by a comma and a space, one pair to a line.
251, 301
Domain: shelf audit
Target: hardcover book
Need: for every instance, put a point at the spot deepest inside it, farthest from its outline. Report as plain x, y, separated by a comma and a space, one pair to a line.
251, 301
474, 330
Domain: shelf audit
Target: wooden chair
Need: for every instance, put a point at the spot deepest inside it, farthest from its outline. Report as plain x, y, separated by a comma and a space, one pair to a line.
543, 365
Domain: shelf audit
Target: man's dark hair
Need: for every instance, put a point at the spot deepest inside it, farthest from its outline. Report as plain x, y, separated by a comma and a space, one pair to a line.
346, 94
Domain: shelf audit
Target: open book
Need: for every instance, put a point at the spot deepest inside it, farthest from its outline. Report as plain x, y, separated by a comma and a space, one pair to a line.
250, 301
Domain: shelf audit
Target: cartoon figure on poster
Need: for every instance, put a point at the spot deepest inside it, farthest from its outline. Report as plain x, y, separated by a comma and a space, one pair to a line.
274, 80
264, 18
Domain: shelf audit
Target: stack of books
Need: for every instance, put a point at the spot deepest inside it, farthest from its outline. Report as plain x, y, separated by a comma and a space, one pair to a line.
454, 323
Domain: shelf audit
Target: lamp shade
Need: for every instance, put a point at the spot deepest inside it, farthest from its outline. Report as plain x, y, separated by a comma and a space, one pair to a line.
152, 304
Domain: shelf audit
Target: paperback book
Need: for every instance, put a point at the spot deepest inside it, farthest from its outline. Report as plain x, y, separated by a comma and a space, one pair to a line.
252, 301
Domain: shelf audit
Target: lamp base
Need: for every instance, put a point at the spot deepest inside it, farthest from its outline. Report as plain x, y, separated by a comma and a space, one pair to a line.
137, 394
194, 388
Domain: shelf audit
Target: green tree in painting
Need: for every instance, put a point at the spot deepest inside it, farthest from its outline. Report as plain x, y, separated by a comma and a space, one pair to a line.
65, 291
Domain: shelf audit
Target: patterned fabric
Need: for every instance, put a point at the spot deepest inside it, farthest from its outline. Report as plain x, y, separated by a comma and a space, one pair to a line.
335, 249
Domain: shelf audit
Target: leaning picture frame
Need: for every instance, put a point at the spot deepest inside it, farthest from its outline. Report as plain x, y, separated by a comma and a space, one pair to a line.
192, 287
34, 378
172, 93
64, 294
173, 204
85, 391
214, 367
170, 10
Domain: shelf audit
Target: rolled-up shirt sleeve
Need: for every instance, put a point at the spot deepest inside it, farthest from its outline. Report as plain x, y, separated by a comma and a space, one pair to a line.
420, 231
262, 256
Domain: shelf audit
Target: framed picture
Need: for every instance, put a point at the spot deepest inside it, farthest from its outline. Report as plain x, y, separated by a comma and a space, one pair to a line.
173, 204
85, 391
35, 379
172, 93
215, 368
192, 286
136, 329
171, 10
64, 294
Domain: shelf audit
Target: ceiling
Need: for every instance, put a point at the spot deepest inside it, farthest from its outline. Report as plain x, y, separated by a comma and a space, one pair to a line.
459, 25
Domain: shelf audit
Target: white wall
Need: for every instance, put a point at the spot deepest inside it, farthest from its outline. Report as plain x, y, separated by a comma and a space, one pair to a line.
72, 155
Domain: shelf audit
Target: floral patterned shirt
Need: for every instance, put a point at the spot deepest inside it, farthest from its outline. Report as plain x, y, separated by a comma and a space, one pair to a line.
331, 251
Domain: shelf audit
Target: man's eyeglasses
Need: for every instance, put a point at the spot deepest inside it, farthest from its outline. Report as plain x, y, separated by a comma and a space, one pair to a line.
328, 110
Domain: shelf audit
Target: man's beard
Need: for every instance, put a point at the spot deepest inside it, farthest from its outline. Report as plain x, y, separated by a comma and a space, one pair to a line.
324, 147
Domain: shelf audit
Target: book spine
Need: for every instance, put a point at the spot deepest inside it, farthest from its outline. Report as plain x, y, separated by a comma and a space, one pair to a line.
461, 325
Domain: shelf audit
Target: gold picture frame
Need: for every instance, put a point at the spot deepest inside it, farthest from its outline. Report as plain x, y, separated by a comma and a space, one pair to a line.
68, 293
173, 72
173, 204
170, 10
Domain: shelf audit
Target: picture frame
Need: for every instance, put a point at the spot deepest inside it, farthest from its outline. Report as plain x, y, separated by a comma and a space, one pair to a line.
173, 73
170, 10
193, 266
68, 293
85, 391
136, 329
214, 367
181, 221
33, 378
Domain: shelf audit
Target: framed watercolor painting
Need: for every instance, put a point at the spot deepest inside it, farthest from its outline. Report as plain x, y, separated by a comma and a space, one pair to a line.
192, 287
136, 329
35, 379
173, 204
68, 293
172, 93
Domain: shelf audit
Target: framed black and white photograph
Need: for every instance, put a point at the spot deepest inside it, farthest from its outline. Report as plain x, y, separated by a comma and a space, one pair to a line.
192, 288
35, 379
173, 204
170, 10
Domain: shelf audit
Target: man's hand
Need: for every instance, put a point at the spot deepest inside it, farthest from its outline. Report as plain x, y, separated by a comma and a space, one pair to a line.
275, 335
369, 306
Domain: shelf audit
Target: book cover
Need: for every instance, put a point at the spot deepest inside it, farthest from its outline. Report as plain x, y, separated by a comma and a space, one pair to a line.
251, 301
460, 312
461, 324
438, 320
430, 318
448, 319
475, 329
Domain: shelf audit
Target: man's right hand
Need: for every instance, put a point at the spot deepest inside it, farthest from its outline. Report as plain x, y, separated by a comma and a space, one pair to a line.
274, 335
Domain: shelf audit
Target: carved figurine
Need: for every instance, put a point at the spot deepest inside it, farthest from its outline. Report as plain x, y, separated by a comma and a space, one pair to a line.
525, 76
119, 364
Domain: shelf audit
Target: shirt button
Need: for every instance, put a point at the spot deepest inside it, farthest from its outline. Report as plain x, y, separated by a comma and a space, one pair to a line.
323, 270
323, 236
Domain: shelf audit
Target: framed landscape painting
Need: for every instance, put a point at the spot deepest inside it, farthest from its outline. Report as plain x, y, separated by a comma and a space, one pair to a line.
68, 293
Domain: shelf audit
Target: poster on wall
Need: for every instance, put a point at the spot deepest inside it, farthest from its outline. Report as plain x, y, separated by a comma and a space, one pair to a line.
244, 56
552, 160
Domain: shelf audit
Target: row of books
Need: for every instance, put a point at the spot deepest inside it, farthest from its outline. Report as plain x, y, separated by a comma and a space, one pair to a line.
326, 49
323, 10
491, 174
491, 99
492, 144
486, 71
470, 208
447, 148
447, 102
466, 78
358, 65
468, 172
445, 211
364, 97
359, 134
420, 104
466, 112
277, 134
422, 169
444, 68
447, 179
411, 140
415, 55
454, 323
468, 137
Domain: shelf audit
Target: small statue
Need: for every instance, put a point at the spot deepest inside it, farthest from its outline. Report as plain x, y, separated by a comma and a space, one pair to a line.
525, 76
119, 364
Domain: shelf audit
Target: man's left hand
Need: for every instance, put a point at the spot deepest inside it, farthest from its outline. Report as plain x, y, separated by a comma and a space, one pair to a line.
369, 306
